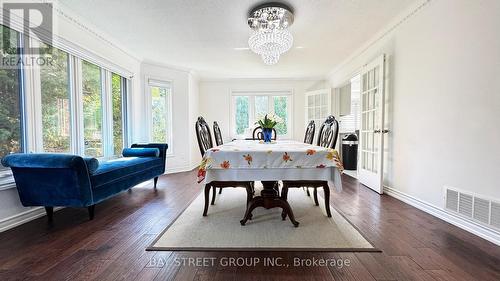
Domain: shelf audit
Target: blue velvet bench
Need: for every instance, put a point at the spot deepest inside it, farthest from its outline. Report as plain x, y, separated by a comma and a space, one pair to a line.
50, 180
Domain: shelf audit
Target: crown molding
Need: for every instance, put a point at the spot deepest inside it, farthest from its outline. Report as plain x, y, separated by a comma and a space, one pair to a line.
165, 65
264, 79
389, 29
65, 12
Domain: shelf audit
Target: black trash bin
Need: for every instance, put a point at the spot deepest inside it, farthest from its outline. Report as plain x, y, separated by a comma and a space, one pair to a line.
350, 152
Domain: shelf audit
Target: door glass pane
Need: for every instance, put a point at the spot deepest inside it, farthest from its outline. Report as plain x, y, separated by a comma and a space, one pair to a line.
310, 101
324, 111
324, 99
117, 104
159, 110
10, 113
55, 94
261, 106
280, 109
242, 114
92, 109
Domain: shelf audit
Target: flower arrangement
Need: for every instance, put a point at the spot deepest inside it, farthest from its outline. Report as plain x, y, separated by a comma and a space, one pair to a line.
267, 124
268, 121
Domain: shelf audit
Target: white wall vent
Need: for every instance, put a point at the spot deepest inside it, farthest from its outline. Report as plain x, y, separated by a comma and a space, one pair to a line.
473, 206
495, 214
452, 200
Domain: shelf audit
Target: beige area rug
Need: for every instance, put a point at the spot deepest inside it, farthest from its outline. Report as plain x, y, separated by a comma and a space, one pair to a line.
221, 229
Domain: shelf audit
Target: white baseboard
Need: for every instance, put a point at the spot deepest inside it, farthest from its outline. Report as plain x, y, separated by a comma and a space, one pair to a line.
471, 226
23, 217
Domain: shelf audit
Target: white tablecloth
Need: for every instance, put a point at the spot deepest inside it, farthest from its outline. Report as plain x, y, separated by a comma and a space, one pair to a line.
245, 160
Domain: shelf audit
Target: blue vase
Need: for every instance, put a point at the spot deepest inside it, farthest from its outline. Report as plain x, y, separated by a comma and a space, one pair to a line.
268, 134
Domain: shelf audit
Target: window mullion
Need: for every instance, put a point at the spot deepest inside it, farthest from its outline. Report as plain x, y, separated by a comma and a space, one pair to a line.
251, 111
270, 104
77, 106
125, 121
32, 122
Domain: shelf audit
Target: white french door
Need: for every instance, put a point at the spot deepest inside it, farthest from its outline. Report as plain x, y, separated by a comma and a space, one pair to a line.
371, 141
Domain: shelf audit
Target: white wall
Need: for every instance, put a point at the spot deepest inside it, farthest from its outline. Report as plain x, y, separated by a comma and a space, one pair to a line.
11, 210
184, 110
443, 99
215, 99
194, 110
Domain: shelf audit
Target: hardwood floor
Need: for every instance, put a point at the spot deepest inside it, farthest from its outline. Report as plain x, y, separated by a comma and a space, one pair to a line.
415, 245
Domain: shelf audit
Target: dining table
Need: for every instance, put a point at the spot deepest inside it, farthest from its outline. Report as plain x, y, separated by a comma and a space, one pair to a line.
255, 160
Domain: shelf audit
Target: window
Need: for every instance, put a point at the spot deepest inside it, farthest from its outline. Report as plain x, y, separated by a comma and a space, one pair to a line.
318, 106
160, 100
11, 136
92, 109
281, 109
62, 94
248, 107
242, 114
117, 100
55, 98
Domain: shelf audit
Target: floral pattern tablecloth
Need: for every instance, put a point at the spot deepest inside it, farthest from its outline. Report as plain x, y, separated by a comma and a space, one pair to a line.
249, 154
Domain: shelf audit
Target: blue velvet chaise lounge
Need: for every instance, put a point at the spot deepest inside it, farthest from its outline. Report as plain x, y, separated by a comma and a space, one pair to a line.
50, 180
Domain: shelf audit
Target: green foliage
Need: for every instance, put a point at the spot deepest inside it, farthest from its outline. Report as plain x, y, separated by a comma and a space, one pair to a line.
266, 123
10, 123
159, 114
92, 109
55, 101
242, 114
280, 109
116, 94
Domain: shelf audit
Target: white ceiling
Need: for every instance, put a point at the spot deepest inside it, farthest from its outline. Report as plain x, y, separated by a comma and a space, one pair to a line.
202, 35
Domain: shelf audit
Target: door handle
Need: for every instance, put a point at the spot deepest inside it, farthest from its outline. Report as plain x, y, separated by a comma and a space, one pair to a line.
385, 131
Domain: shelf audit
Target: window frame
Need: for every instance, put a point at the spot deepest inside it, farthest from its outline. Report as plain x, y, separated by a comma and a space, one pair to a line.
6, 177
31, 100
251, 110
151, 81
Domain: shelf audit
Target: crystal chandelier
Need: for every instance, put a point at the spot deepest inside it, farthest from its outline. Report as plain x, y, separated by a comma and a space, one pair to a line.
270, 37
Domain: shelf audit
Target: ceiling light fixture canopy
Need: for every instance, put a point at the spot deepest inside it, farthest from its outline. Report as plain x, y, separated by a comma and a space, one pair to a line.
270, 37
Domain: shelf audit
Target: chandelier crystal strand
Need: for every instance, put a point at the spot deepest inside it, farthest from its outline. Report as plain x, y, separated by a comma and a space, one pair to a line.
271, 36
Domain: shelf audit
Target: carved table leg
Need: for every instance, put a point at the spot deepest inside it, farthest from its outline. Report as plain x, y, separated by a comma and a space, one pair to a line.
269, 199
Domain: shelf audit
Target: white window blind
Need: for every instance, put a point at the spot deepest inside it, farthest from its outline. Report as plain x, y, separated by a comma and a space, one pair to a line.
352, 122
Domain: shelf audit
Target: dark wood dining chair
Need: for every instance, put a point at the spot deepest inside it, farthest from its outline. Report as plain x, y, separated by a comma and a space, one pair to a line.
218, 140
328, 134
310, 130
258, 135
217, 134
205, 142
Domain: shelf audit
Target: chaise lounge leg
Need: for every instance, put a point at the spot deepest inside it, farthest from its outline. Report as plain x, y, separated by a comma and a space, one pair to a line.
91, 211
50, 213
155, 181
